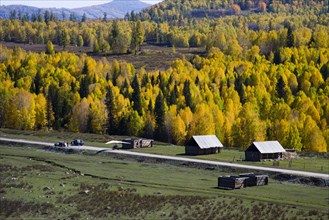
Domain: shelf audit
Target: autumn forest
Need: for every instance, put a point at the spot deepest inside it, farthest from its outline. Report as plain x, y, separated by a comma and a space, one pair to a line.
263, 75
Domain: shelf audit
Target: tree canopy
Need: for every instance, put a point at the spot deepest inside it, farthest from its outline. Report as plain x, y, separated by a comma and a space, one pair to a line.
264, 75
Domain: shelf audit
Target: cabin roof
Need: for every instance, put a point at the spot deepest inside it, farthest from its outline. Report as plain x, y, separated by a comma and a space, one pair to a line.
267, 147
205, 141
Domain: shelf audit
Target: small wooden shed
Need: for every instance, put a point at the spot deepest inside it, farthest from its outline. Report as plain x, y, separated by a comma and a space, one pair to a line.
232, 182
203, 144
265, 150
241, 181
255, 179
131, 143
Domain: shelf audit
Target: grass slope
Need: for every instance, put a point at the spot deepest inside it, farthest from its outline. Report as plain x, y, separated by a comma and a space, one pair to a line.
41, 184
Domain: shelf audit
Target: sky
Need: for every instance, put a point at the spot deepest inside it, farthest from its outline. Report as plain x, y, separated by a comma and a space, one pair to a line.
61, 3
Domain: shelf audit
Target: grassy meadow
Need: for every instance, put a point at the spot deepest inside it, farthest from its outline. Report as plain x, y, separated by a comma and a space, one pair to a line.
306, 162
41, 184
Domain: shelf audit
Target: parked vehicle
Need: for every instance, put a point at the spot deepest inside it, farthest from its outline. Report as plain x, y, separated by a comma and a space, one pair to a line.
115, 147
60, 144
77, 142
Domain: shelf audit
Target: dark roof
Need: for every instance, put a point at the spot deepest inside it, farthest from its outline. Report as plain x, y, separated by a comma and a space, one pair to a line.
205, 141
267, 147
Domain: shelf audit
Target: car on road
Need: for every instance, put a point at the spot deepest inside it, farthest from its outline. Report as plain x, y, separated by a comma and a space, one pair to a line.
115, 147
60, 144
77, 142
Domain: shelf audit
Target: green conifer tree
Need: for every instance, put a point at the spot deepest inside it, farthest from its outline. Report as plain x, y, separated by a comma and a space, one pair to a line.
136, 95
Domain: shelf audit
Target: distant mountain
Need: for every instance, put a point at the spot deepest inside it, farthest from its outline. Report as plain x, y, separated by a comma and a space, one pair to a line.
114, 9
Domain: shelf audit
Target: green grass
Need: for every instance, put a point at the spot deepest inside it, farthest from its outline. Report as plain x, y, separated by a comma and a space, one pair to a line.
55, 136
54, 185
307, 162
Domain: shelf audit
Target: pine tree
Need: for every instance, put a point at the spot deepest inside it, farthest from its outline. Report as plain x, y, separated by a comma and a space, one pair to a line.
173, 96
40, 17
53, 16
115, 31
325, 71
239, 87
12, 15
159, 110
105, 17
65, 38
34, 17
84, 86
187, 94
85, 69
84, 17
136, 96
110, 105
163, 84
277, 57
84, 81
290, 37
280, 87
37, 83
47, 16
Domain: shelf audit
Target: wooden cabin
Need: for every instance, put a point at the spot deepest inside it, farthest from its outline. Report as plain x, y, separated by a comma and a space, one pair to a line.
131, 143
203, 144
266, 150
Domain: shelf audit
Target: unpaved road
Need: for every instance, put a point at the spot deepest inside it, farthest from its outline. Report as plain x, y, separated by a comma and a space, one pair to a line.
182, 159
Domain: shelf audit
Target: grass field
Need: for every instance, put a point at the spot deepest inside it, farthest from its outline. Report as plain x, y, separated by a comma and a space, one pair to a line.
306, 162
41, 184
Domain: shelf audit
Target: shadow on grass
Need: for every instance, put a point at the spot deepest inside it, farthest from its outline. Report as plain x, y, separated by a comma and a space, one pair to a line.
183, 154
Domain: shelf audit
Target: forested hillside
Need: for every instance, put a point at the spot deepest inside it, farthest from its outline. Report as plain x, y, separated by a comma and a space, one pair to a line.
182, 11
264, 76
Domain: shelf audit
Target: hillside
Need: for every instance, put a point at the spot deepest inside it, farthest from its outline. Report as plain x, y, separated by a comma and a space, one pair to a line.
239, 100
114, 9
178, 10
261, 76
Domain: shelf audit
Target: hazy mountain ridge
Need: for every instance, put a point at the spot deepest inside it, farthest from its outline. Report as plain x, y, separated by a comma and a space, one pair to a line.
114, 9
